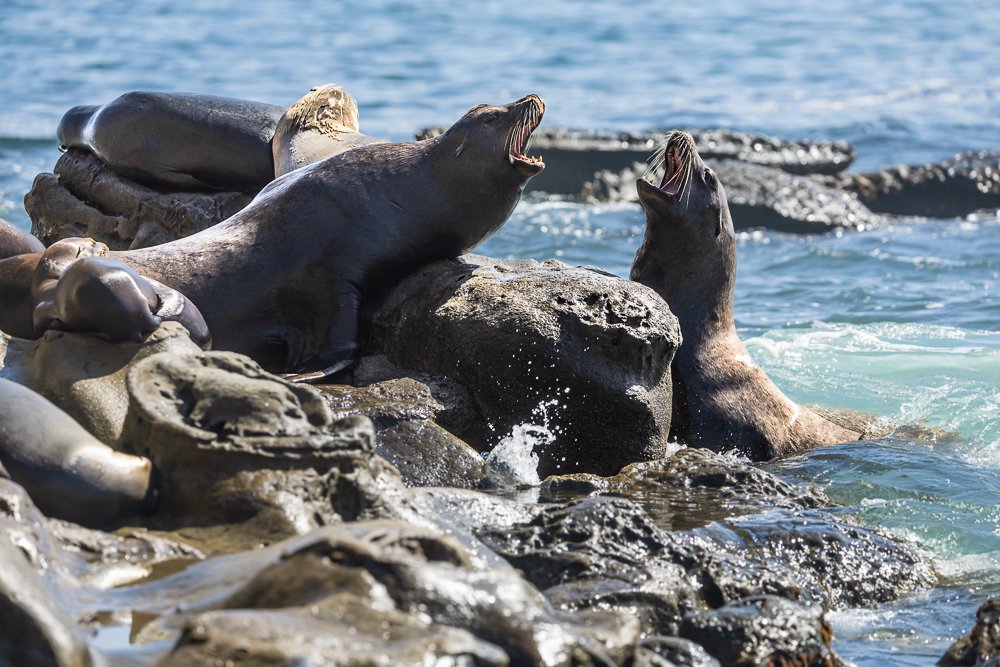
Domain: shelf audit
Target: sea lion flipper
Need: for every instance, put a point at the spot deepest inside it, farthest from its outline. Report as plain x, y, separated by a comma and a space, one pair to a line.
338, 350
174, 306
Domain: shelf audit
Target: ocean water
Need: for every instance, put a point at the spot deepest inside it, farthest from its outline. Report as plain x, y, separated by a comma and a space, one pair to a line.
903, 321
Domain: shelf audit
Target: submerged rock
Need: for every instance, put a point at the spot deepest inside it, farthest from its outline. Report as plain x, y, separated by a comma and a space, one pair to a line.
576, 354
573, 157
981, 648
952, 188
84, 197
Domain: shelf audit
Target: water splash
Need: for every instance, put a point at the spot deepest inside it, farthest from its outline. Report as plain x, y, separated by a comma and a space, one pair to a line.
513, 462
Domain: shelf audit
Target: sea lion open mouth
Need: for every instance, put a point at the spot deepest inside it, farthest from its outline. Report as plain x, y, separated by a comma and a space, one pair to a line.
520, 136
677, 154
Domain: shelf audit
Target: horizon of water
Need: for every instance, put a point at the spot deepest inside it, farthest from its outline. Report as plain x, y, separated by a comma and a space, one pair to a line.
903, 321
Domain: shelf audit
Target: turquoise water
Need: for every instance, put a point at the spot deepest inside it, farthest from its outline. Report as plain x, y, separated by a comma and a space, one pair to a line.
902, 321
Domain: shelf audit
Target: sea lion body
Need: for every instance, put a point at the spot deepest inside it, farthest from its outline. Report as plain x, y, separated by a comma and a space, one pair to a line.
282, 280
16, 305
15, 241
321, 124
178, 141
66, 471
722, 399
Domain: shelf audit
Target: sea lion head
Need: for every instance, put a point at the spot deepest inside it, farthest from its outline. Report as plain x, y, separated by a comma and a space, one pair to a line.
688, 254
327, 109
498, 136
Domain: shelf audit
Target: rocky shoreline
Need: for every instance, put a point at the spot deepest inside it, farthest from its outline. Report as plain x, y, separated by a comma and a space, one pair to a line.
491, 483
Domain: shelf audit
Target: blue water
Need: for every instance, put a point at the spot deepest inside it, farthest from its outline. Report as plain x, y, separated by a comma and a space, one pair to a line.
903, 321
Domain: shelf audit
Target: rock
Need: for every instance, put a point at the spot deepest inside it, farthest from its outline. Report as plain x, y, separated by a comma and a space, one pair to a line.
763, 630
720, 486
580, 354
359, 592
34, 627
659, 651
236, 445
85, 375
982, 647
572, 157
403, 412
759, 196
949, 189
85, 198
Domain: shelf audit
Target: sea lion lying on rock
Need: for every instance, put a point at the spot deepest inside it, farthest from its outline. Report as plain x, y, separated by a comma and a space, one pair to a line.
15, 241
722, 399
282, 280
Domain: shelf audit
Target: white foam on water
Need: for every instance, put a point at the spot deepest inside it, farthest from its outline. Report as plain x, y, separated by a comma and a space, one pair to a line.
513, 460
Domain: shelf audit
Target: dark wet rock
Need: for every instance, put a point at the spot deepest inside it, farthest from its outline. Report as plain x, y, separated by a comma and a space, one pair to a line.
85, 375
85, 198
759, 196
659, 651
720, 486
236, 445
836, 562
981, 648
406, 433
577, 352
949, 189
763, 630
572, 157
351, 593
35, 629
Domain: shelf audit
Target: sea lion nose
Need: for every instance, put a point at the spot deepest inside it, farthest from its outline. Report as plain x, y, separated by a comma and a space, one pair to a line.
538, 101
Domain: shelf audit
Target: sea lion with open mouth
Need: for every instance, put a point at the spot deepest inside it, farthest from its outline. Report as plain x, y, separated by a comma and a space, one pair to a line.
283, 280
722, 399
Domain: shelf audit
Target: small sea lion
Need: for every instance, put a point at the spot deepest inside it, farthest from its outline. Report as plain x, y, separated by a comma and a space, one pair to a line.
67, 472
15, 241
283, 280
321, 124
15, 294
722, 399
178, 141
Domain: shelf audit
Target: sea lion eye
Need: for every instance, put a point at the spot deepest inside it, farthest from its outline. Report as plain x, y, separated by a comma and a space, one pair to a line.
709, 176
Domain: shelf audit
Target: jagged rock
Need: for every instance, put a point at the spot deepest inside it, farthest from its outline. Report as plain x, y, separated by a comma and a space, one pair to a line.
85, 198
981, 648
952, 188
85, 375
406, 433
235, 445
759, 196
575, 351
720, 486
572, 157
763, 631
659, 651
348, 594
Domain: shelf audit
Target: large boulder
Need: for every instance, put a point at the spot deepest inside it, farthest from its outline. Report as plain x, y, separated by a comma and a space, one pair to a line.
84, 197
580, 354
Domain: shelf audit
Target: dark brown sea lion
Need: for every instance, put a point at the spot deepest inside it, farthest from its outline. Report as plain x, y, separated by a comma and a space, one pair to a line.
722, 399
15, 295
321, 124
15, 241
178, 141
282, 280
66, 471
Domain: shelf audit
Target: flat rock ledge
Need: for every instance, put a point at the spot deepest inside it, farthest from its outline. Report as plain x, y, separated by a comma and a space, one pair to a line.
573, 357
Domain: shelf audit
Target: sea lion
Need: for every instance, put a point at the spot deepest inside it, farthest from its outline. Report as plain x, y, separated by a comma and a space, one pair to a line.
178, 141
282, 280
319, 125
15, 241
66, 471
15, 295
722, 399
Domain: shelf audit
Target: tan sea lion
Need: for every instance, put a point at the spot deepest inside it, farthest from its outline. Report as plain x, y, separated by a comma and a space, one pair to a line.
722, 399
283, 280
15, 241
321, 124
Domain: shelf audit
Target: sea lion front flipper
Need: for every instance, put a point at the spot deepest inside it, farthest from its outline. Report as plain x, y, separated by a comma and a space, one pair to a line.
337, 351
176, 307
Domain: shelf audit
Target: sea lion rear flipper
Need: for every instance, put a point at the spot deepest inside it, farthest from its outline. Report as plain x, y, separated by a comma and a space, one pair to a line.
340, 346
